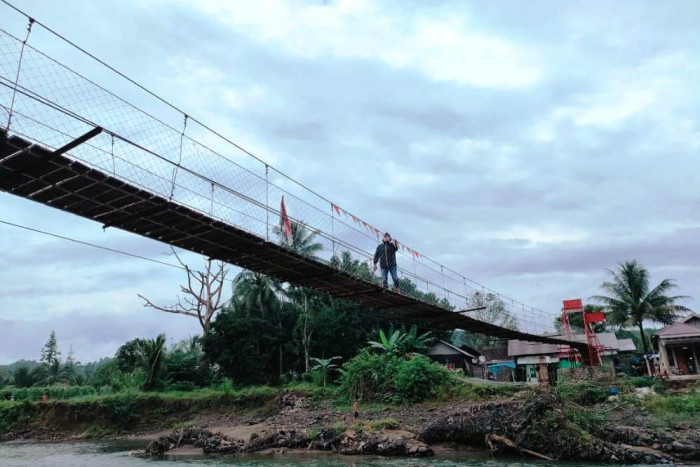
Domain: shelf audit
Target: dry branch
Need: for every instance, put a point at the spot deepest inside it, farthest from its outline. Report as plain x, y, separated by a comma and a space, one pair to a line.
202, 294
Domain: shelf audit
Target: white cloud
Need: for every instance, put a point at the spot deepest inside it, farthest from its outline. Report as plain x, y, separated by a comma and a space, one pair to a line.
654, 90
444, 48
542, 235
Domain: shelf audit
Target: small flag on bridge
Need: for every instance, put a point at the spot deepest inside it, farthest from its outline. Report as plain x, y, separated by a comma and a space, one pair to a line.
286, 225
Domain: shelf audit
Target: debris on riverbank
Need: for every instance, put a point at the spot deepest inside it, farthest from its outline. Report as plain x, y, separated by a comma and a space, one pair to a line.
538, 423
537, 426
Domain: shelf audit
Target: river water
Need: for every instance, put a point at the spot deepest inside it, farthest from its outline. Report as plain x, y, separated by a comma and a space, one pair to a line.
112, 454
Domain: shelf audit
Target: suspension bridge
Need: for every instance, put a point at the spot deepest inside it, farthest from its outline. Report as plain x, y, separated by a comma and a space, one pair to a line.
70, 143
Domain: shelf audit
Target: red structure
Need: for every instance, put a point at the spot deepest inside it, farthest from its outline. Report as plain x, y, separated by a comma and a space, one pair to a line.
595, 349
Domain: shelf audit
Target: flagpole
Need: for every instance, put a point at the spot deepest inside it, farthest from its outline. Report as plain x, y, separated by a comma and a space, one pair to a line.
332, 229
267, 203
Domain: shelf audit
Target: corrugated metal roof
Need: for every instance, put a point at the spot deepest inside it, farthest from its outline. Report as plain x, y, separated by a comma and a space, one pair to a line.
679, 330
627, 345
518, 348
445, 348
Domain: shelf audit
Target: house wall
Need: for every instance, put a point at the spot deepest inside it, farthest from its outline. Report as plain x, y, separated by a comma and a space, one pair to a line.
678, 361
459, 361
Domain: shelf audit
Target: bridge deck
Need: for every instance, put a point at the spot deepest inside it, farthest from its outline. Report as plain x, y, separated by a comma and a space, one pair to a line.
36, 173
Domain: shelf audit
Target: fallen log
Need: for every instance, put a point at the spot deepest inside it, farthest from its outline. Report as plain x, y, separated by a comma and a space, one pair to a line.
493, 439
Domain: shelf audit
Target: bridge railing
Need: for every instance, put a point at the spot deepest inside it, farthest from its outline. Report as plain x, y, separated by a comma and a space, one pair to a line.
167, 152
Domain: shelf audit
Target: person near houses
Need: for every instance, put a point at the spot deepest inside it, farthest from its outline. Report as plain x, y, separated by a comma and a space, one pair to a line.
386, 257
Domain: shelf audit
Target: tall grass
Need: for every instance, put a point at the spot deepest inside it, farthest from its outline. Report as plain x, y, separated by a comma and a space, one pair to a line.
52, 392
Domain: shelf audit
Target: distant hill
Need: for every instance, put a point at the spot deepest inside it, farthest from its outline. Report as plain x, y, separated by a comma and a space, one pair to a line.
30, 364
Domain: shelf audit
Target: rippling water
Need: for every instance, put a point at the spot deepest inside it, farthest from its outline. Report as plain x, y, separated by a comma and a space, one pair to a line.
112, 454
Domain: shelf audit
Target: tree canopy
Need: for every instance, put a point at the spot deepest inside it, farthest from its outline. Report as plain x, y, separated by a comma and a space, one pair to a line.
630, 299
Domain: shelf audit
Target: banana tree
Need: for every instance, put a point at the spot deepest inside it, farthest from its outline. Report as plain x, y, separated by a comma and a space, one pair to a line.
324, 367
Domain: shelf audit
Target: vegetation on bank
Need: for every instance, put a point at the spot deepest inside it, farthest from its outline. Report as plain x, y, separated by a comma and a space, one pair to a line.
130, 410
590, 404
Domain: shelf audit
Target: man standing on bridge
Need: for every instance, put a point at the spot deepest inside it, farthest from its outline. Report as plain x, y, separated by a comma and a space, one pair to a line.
386, 256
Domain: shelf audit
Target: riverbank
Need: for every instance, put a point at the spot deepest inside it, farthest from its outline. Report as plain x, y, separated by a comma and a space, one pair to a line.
530, 422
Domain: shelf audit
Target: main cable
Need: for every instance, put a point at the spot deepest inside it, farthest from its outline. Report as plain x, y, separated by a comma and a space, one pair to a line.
82, 242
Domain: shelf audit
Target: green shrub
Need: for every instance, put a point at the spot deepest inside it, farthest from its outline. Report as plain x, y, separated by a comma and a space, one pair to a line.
418, 379
640, 381
368, 376
392, 379
131, 381
583, 393
661, 405
226, 386
589, 420
16, 414
390, 424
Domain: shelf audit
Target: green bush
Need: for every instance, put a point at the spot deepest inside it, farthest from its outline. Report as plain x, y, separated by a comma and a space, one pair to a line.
589, 420
14, 414
418, 379
131, 381
392, 379
661, 405
640, 381
368, 376
583, 393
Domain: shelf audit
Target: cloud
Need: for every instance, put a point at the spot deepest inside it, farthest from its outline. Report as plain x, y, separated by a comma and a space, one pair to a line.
656, 89
444, 48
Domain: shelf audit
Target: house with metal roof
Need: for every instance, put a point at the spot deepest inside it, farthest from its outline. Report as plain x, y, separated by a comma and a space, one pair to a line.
537, 362
679, 348
453, 357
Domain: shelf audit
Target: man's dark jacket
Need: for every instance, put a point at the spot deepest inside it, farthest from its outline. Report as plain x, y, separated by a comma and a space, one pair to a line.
386, 255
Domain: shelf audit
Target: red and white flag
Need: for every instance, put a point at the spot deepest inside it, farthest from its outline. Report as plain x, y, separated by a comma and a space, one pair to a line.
286, 225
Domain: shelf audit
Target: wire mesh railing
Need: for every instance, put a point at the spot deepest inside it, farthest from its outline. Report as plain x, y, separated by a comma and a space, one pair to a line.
169, 153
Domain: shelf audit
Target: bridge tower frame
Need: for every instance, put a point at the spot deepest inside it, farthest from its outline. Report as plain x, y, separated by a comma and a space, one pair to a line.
595, 348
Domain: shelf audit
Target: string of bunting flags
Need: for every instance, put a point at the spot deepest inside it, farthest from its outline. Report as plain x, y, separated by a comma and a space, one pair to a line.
340, 212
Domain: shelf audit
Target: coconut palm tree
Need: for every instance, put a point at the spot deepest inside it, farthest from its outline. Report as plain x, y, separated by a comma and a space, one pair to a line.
345, 262
303, 241
631, 301
256, 294
259, 295
151, 353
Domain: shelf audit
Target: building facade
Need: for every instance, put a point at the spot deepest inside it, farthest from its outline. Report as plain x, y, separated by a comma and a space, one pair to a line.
679, 348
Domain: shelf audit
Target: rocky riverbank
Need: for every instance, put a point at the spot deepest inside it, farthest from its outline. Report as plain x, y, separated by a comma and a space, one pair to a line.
533, 423
536, 426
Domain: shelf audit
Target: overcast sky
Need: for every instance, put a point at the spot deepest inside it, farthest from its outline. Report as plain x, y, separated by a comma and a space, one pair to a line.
527, 145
